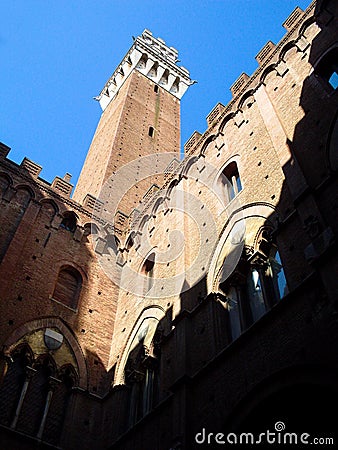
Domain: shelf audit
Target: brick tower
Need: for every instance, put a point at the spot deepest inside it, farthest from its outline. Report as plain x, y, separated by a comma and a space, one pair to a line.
141, 116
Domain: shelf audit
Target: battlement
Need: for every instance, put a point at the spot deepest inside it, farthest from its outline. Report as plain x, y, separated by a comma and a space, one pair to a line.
29, 168
154, 59
269, 54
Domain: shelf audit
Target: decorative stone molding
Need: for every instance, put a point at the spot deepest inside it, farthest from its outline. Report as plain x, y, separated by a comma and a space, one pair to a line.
154, 59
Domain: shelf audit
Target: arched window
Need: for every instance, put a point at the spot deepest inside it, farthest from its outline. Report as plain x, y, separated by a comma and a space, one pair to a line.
34, 395
29, 418
142, 370
231, 181
255, 294
112, 244
68, 287
233, 304
277, 273
61, 392
327, 68
143, 61
130, 242
11, 388
153, 71
148, 271
257, 283
69, 221
164, 78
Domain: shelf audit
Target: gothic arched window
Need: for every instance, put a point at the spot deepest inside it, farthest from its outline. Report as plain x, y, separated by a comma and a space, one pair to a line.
231, 181
69, 221
257, 283
148, 271
142, 370
13, 382
327, 68
34, 396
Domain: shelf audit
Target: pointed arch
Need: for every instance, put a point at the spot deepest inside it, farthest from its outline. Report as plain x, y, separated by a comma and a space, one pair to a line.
154, 313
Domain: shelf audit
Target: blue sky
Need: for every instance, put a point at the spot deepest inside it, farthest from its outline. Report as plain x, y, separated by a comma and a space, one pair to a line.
56, 55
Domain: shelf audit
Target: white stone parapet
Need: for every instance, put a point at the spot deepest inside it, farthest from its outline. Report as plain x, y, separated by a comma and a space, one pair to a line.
154, 59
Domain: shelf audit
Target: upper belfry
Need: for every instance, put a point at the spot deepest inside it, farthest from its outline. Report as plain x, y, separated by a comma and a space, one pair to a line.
154, 59
140, 117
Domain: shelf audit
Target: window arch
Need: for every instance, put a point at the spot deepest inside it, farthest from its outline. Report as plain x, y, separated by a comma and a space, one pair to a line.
164, 78
66, 380
143, 61
11, 388
5, 182
68, 286
327, 68
230, 181
69, 221
148, 271
141, 370
35, 394
257, 283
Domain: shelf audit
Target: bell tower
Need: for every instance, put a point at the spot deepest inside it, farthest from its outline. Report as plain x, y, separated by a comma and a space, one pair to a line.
141, 115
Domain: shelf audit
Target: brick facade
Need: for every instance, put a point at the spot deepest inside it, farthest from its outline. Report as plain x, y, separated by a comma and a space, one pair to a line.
223, 316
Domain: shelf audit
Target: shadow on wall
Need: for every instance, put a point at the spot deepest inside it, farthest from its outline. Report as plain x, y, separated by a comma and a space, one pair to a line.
46, 305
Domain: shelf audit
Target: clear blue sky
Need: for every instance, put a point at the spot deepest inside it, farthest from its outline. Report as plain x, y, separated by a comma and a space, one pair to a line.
56, 55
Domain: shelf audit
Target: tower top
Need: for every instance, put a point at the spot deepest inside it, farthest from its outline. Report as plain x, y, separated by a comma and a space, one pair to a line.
154, 59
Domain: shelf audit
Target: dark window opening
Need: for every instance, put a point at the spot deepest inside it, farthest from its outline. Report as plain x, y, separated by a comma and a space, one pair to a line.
142, 377
327, 68
34, 395
129, 243
148, 272
69, 221
151, 132
156, 88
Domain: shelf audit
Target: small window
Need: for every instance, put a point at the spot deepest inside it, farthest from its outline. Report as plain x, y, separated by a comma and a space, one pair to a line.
255, 292
231, 180
164, 78
129, 242
156, 88
68, 287
69, 221
153, 71
151, 132
148, 272
278, 275
142, 62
